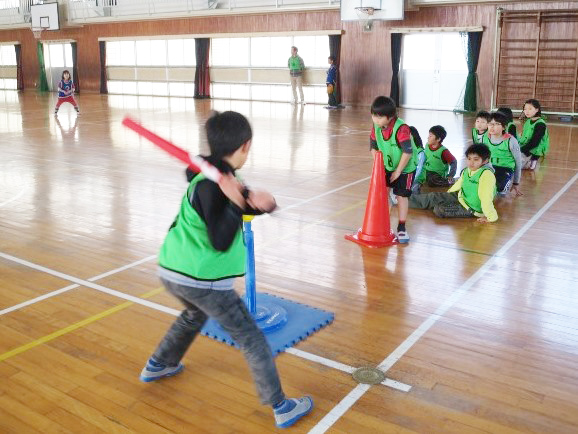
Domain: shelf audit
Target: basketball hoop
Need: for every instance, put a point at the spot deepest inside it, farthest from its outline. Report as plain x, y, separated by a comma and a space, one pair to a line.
365, 14
37, 32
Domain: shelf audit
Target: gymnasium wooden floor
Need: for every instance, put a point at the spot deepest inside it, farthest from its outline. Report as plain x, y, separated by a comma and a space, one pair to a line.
480, 321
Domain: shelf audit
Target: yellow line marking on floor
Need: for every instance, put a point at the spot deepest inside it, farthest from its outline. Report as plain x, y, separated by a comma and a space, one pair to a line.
75, 326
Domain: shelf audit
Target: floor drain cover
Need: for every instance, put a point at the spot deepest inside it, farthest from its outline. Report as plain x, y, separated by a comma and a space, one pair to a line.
368, 375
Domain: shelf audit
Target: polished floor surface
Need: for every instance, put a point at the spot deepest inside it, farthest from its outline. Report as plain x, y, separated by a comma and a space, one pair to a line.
477, 325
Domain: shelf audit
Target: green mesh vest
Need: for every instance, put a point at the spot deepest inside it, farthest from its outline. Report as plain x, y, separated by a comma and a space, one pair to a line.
501, 154
391, 150
188, 250
469, 190
528, 132
475, 134
294, 63
435, 163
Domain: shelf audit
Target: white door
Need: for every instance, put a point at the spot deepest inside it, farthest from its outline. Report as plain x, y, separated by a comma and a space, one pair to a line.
57, 58
433, 72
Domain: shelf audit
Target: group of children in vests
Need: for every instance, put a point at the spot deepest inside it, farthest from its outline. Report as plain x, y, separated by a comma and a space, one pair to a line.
494, 161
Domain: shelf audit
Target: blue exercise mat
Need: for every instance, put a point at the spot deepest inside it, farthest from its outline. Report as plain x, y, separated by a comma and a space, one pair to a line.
301, 321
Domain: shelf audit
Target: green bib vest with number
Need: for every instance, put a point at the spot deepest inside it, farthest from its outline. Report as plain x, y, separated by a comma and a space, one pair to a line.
435, 163
469, 190
188, 250
501, 154
528, 132
392, 151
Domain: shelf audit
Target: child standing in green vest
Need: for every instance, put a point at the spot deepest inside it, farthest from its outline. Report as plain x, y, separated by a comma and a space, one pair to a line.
472, 194
506, 156
202, 254
392, 137
535, 140
440, 164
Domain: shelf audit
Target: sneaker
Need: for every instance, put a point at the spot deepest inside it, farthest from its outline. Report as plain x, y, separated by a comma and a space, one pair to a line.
154, 370
533, 164
291, 410
403, 237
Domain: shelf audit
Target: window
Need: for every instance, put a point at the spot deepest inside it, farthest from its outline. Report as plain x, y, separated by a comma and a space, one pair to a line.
159, 54
230, 52
313, 49
7, 55
181, 52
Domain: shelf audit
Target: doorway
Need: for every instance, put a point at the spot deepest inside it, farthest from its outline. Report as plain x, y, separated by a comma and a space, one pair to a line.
57, 58
434, 70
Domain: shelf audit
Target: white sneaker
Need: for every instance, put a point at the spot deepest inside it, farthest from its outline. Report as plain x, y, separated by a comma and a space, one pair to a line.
292, 410
533, 164
403, 237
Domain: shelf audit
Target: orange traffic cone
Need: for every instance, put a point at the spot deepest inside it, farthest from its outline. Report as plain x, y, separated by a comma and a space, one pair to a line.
376, 230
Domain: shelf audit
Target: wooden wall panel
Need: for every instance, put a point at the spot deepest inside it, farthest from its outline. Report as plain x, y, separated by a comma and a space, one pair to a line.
365, 60
539, 59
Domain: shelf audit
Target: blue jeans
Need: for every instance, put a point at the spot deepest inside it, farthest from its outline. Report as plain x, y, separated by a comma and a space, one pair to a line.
227, 308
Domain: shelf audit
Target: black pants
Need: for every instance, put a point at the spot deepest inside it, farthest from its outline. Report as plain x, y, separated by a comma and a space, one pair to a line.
503, 178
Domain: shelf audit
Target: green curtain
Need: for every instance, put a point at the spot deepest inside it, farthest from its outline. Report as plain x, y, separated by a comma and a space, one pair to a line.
42, 77
470, 94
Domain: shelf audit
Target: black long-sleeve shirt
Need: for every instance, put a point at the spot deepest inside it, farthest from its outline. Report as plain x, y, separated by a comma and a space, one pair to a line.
539, 131
222, 217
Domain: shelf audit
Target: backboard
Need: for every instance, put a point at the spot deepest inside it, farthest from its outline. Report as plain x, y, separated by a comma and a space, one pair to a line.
357, 10
45, 16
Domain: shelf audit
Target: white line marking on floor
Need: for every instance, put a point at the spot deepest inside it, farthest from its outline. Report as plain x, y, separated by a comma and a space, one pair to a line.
347, 402
88, 284
6, 202
311, 199
68, 288
345, 368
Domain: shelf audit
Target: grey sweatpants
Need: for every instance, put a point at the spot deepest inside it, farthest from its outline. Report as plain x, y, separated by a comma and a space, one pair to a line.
443, 204
227, 308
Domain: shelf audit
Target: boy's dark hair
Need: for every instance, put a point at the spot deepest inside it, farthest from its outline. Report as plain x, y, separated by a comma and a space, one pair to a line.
331, 58
483, 114
536, 104
439, 132
507, 112
416, 137
226, 132
383, 106
479, 149
500, 118
66, 71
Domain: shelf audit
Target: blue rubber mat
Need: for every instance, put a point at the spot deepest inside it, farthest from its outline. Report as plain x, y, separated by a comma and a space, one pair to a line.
302, 321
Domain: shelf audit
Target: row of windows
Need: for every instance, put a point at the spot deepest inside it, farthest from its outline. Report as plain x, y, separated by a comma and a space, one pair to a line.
172, 52
259, 92
268, 51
